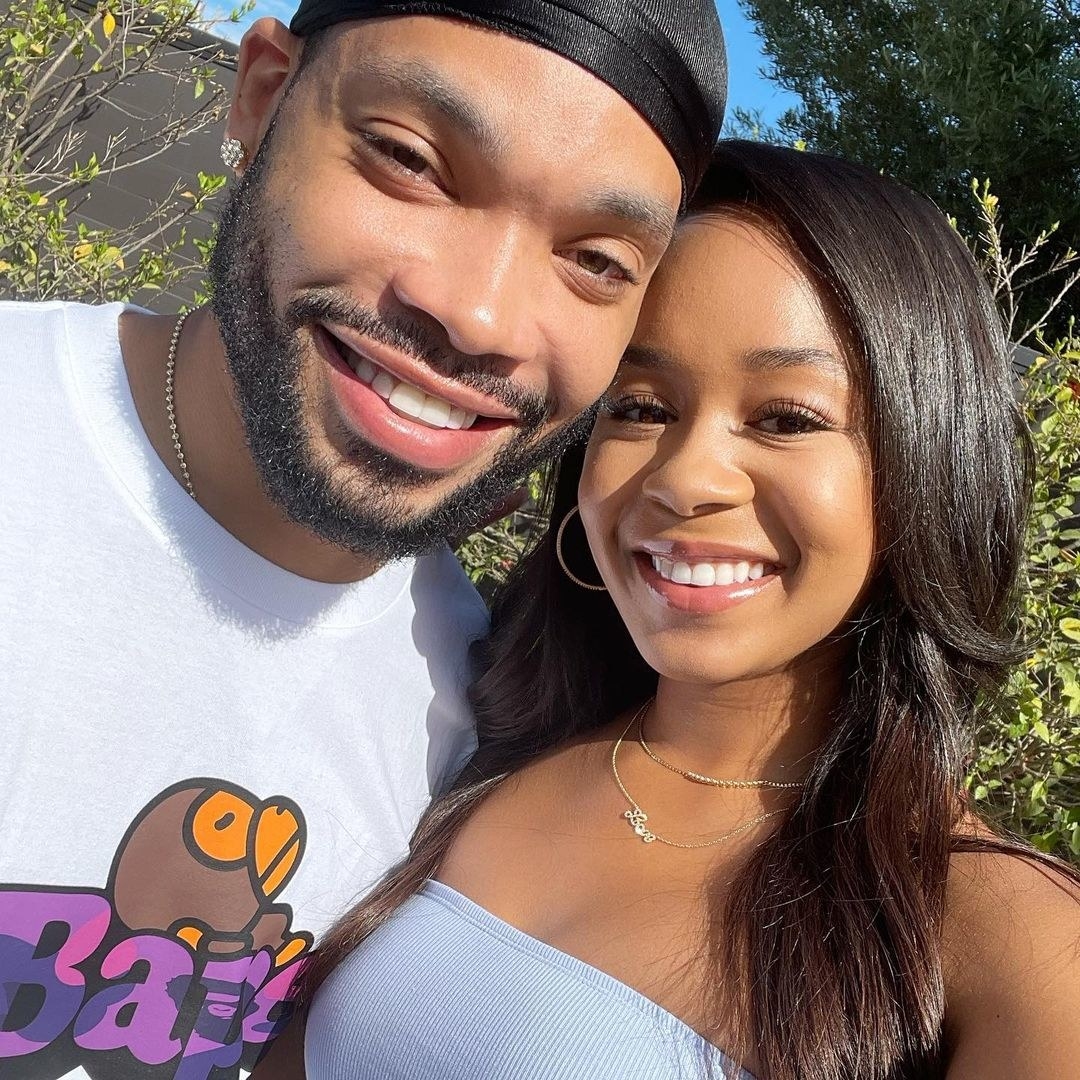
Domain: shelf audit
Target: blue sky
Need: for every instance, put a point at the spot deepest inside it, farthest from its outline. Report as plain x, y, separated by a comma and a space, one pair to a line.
749, 88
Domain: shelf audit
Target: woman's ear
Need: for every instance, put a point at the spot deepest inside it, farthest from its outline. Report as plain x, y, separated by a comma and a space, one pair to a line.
269, 54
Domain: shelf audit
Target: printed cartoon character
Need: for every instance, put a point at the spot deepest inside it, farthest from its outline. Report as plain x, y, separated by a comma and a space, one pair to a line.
204, 861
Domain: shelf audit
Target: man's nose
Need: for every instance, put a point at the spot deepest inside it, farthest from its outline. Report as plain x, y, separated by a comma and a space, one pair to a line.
484, 288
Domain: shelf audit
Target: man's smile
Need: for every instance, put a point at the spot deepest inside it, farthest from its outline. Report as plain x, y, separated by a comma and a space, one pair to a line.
405, 408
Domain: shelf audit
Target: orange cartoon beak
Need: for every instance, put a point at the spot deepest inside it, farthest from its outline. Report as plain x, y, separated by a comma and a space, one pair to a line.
277, 847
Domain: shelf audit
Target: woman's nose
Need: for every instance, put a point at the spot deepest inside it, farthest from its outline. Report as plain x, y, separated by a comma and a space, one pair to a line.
701, 477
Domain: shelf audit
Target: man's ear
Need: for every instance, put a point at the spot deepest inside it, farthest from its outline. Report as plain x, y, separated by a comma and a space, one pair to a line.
269, 54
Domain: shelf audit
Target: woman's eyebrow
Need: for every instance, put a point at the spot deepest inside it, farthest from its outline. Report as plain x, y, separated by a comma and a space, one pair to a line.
780, 357
642, 356
764, 360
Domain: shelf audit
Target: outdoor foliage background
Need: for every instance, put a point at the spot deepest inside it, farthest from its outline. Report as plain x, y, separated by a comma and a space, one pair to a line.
70, 78
942, 96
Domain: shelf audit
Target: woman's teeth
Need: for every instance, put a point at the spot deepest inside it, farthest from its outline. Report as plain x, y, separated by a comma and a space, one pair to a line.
407, 399
707, 574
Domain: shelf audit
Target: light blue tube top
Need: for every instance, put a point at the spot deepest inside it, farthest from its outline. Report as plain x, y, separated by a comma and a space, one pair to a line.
445, 990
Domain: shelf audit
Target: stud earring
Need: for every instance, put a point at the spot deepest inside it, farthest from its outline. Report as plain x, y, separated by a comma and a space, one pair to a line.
562, 561
233, 152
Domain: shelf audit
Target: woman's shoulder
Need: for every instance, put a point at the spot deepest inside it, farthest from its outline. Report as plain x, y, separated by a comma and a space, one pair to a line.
1006, 901
1011, 951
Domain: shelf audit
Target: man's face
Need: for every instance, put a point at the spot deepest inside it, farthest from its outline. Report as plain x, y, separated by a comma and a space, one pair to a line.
429, 270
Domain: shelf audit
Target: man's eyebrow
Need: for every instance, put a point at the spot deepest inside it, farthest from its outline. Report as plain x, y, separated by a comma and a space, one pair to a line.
429, 88
780, 357
653, 215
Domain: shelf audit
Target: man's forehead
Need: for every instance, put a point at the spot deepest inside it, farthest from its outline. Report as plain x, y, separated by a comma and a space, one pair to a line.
428, 84
665, 58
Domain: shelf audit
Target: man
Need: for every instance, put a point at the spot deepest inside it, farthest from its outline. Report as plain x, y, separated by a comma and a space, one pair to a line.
233, 637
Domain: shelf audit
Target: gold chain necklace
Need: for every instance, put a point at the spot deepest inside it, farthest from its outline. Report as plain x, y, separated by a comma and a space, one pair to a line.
699, 778
170, 408
637, 817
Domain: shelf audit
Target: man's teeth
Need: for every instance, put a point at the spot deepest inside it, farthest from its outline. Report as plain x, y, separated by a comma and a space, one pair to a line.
408, 399
707, 574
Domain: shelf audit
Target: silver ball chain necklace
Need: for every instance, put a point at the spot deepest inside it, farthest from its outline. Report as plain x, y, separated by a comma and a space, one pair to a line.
170, 405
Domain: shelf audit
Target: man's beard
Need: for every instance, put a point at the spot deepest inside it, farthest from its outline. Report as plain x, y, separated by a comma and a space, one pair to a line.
361, 504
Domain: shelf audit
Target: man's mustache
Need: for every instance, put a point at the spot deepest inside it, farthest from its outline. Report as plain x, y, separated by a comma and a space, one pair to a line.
411, 337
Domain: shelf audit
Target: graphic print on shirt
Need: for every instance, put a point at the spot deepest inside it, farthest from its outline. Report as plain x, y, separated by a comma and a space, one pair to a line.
180, 967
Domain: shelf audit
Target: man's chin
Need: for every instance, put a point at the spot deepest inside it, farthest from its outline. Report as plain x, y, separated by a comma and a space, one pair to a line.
404, 527
375, 505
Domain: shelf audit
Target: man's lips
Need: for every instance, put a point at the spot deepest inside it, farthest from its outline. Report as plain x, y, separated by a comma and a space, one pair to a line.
439, 449
415, 373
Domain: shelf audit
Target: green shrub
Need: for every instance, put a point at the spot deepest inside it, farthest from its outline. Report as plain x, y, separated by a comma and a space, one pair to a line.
492, 552
1026, 772
58, 66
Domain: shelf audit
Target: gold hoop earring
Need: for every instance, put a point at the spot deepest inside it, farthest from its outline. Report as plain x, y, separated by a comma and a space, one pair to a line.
562, 562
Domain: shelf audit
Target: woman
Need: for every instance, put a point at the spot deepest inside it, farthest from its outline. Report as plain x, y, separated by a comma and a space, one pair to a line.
725, 710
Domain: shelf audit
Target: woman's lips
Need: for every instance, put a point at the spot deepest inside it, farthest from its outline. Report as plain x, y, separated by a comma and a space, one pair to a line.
704, 585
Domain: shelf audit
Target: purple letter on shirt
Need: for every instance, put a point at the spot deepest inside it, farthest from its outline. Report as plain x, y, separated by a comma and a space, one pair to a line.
139, 1014
43, 935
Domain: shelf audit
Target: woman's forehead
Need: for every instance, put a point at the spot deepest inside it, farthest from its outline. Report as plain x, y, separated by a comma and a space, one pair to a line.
726, 277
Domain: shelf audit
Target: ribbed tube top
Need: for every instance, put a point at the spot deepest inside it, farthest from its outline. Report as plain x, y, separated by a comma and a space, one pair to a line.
445, 990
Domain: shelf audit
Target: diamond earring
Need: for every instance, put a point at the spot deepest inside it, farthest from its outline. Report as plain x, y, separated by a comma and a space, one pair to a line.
232, 152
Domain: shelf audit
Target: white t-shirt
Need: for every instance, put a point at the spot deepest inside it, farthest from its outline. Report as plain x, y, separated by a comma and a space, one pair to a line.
203, 757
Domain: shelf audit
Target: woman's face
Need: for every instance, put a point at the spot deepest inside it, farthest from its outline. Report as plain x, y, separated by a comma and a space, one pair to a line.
726, 493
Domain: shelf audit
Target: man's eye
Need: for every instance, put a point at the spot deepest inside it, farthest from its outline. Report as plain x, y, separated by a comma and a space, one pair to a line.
602, 265
404, 157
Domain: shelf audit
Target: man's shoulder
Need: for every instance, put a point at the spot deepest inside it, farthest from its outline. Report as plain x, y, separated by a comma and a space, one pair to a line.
28, 315
442, 586
33, 310
47, 323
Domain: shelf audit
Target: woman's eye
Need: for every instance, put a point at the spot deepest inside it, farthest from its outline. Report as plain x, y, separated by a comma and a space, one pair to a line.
790, 421
638, 411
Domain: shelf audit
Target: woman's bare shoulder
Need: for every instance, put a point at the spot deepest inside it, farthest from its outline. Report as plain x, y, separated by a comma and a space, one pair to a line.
1011, 948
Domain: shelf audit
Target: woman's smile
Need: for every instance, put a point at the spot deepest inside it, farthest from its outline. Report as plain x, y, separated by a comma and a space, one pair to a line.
703, 578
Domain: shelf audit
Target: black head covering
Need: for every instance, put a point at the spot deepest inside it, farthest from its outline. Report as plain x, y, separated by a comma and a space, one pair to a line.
666, 57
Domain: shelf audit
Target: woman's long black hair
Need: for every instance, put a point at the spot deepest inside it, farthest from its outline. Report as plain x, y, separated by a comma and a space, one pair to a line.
834, 928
